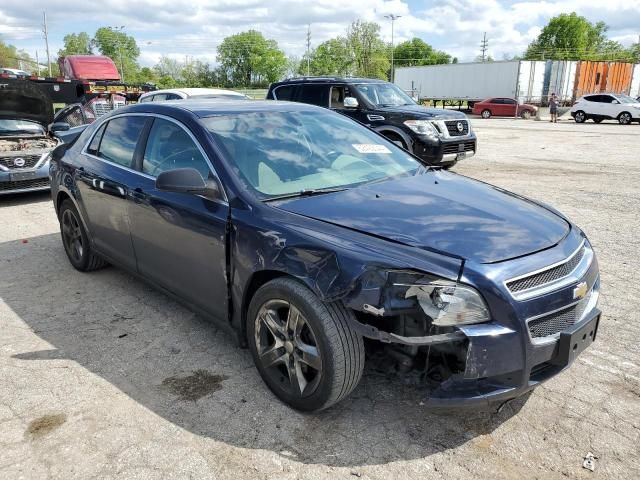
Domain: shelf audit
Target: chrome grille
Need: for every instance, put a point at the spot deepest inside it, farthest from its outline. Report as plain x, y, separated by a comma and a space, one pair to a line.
452, 127
547, 276
29, 161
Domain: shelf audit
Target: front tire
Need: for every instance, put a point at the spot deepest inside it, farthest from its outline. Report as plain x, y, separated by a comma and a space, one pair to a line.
526, 114
580, 117
624, 118
486, 114
75, 240
305, 349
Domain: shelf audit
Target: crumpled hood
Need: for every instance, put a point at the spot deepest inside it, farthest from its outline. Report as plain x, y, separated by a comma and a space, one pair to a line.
24, 100
441, 211
420, 112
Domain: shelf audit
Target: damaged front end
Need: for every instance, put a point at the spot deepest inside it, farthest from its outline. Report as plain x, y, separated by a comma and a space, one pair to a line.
439, 329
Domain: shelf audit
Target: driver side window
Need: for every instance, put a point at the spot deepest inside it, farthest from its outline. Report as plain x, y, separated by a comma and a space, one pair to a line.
170, 147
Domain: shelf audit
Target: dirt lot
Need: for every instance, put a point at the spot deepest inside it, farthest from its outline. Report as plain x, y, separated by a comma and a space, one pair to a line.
100, 376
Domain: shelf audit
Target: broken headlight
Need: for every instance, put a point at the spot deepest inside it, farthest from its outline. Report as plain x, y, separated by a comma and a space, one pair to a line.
447, 303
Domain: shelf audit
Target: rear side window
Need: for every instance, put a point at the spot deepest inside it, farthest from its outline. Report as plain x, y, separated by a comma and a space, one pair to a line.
120, 138
169, 146
315, 95
95, 143
285, 92
147, 99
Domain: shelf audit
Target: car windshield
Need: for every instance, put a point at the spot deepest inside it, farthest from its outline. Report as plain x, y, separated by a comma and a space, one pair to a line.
384, 94
625, 98
20, 127
297, 152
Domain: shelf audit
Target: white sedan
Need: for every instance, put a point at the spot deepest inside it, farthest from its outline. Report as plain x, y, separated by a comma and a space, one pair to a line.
184, 93
603, 106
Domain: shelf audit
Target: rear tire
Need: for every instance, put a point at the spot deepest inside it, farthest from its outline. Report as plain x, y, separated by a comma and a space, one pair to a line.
624, 118
486, 113
305, 349
580, 117
75, 240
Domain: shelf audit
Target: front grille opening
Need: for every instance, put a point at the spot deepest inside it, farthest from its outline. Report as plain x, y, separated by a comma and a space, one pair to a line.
24, 184
548, 276
553, 323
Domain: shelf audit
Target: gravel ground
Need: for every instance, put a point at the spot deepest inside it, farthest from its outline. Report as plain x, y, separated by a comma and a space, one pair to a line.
101, 376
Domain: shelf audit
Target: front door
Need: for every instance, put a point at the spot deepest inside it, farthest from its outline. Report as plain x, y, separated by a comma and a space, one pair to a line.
337, 95
179, 238
104, 178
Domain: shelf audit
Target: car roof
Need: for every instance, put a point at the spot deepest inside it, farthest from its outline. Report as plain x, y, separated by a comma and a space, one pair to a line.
194, 92
205, 107
329, 80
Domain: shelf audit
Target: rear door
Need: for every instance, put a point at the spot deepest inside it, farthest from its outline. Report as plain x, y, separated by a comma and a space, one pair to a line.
105, 177
179, 238
509, 107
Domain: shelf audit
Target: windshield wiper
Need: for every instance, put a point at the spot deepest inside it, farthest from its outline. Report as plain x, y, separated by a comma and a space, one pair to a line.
305, 193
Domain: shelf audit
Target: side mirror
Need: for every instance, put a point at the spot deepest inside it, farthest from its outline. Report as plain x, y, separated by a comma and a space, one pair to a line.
616, 102
350, 102
59, 127
188, 180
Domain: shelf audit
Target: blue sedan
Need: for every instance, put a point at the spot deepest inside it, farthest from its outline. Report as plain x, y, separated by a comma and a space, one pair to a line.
318, 242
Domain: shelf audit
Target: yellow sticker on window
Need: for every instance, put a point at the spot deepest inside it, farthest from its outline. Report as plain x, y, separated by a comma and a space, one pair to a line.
370, 148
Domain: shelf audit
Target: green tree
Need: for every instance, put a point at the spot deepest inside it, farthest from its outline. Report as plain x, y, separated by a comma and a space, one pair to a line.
573, 37
11, 57
329, 58
417, 52
120, 47
249, 59
633, 53
76, 44
368, 50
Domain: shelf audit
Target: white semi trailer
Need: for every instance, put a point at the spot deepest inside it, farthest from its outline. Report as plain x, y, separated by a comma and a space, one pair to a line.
528, 81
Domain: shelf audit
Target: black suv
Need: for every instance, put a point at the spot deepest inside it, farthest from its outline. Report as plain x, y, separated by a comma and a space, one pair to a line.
441, 137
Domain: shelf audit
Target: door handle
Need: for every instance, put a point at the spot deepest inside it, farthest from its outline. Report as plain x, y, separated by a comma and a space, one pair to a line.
137, 194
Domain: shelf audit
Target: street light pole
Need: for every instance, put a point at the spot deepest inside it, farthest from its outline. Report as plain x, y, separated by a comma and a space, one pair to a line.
393, 18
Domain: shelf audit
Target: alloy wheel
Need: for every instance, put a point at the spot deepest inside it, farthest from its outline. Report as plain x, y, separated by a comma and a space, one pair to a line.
287, 347
625, 118
72, 235
580, 117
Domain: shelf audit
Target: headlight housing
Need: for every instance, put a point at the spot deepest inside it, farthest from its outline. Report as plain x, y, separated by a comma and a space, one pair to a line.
422, 127
447, 303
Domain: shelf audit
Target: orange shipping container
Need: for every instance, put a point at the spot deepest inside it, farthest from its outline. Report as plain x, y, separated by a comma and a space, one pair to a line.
593, 77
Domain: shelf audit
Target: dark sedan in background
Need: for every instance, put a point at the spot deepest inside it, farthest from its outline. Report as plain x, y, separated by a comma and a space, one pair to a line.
305, 233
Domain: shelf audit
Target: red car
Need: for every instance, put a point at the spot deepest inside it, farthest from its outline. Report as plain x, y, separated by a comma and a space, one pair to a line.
505, 107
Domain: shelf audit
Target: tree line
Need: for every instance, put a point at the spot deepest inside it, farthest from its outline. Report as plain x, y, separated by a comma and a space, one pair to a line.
248, 59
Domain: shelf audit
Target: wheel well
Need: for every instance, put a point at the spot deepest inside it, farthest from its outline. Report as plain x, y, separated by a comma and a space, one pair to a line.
391, 135
257, 280
62, 196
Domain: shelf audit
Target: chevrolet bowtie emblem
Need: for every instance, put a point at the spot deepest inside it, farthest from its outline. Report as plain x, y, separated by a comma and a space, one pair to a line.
580, 291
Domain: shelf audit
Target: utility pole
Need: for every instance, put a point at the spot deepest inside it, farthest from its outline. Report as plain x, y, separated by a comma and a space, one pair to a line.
46, 39
308, 49
484, 46
393, 18
37, 64
119, 29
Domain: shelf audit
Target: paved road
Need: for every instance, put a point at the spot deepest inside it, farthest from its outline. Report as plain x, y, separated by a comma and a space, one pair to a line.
101, 376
